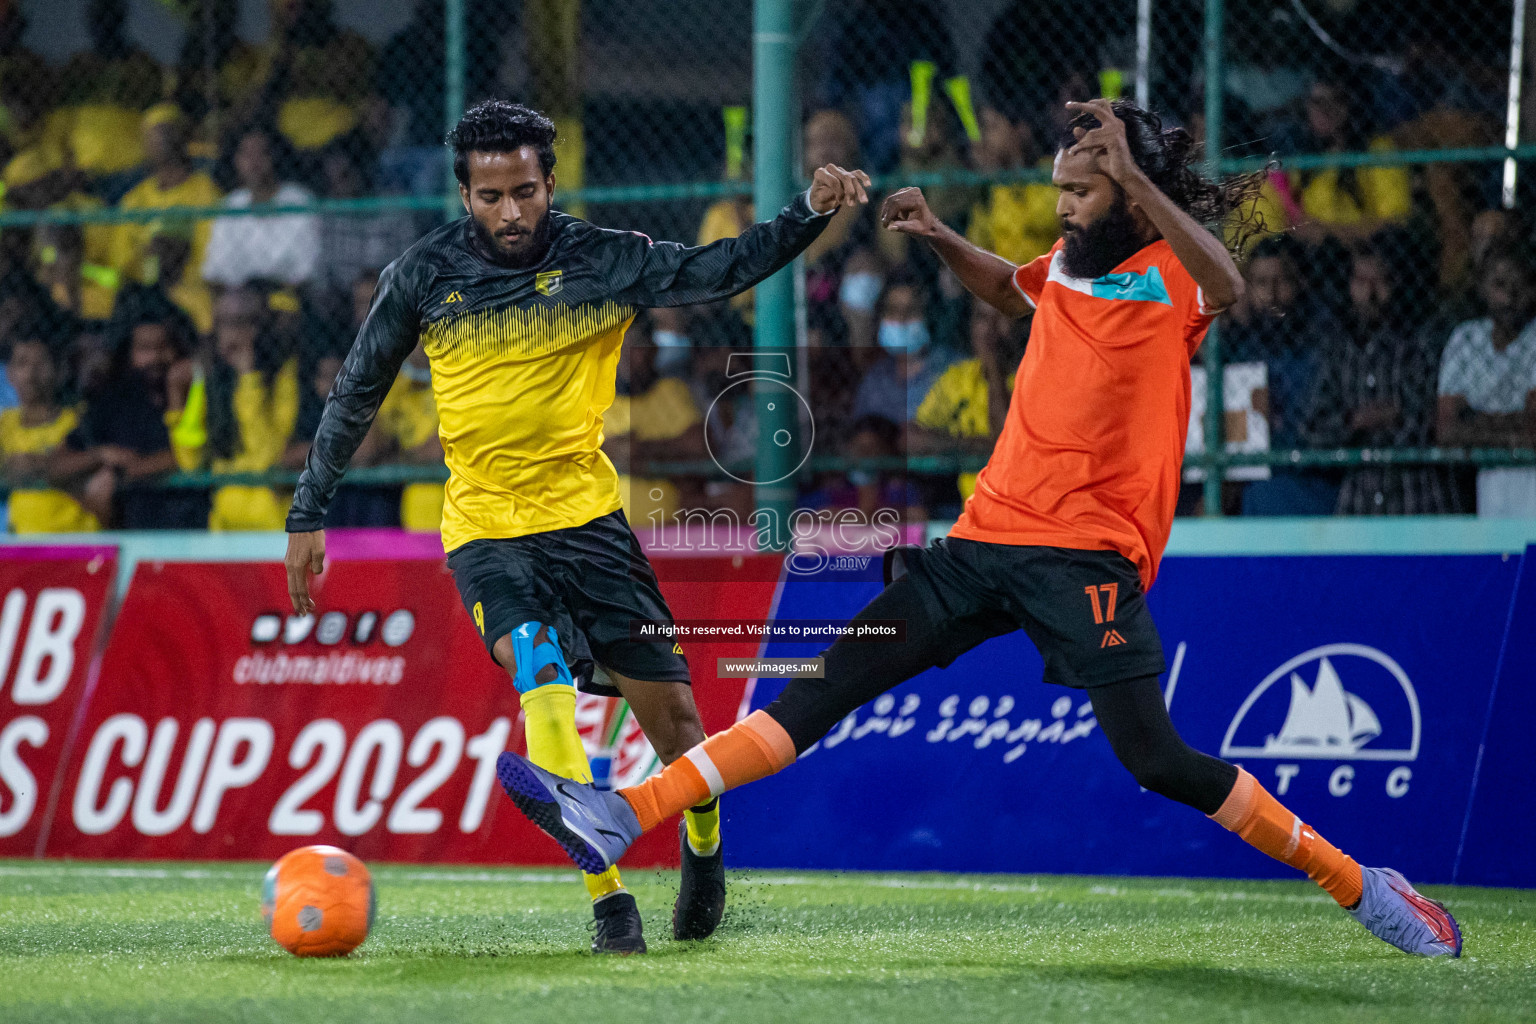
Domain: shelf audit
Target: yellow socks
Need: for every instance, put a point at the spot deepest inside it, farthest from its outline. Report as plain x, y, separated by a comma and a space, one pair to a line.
703, 824
549, 715
605, 884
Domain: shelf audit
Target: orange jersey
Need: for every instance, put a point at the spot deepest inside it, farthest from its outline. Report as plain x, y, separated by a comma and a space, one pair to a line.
1089, 456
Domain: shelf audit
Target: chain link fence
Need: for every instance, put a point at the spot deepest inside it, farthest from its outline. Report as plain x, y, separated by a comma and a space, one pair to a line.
1380, 362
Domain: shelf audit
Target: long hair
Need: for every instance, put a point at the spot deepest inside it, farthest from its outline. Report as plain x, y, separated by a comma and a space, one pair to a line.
224, 440
145, 304
1167, 157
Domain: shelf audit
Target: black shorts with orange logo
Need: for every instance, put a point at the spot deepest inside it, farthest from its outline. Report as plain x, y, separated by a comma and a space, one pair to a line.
588, 583
1084, 610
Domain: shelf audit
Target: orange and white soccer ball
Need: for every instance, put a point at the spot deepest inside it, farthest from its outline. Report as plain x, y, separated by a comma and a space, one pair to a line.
318, 901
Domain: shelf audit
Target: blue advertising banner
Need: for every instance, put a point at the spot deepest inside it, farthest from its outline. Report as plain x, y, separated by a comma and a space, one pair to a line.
1354, 687
1499, 840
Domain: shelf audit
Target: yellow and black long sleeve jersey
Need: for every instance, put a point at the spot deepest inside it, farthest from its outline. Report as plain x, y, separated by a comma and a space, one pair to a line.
523, 362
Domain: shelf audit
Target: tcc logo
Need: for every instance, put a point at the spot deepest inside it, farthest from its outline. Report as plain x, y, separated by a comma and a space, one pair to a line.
1338, 702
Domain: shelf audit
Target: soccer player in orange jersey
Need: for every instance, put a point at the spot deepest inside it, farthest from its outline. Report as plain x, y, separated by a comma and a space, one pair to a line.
1076, 500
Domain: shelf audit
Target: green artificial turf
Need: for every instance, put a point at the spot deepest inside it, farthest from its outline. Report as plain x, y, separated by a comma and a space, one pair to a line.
185, 942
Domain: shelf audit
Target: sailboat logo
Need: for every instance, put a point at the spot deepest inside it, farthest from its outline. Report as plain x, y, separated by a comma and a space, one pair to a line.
1324, 719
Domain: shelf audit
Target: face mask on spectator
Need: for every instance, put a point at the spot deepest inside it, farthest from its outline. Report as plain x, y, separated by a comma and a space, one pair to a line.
898, 336
860, 291
861, 477
672, 351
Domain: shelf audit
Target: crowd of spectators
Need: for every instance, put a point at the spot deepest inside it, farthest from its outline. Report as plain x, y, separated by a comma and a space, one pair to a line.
1389, 306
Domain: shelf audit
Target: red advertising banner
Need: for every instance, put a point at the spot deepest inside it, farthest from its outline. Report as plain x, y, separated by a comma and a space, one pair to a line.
225, 727
51, 605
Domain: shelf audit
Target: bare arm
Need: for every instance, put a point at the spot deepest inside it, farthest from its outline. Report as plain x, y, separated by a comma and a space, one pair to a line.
986, 276
1458, 425
1202, 253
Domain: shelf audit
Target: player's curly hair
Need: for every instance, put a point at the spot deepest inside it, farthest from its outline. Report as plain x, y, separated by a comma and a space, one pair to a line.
1167, 156
498, 126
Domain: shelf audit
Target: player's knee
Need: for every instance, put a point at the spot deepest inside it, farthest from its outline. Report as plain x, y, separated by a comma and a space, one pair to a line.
532, 656
1168, 768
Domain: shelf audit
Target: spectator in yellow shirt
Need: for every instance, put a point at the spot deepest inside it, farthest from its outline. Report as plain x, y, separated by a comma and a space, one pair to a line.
964, 410
253, 398
172, 181
1347, 203
29, 435
327, 91
655, 419
1016, 220
73, 263
106, 90
409, 414
728, 218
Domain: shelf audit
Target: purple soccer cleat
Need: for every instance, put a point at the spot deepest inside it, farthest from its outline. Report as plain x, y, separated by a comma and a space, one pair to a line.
1393, 911
593, 826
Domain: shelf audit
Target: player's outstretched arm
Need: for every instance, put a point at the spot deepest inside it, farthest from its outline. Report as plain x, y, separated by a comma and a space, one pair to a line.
387, 336
1203, 254
987, 276
670, 274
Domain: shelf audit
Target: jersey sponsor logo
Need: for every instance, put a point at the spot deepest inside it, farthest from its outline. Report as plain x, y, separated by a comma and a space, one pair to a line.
1127, 286
1339, 695
1133, 287
452, 297
1112, 639
549, 282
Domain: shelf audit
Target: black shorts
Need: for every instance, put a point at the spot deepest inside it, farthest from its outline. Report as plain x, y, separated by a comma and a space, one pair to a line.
588, 583
1084, 610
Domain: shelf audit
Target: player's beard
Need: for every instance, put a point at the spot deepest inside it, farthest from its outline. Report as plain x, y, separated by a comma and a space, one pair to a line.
529, 253
1093, 251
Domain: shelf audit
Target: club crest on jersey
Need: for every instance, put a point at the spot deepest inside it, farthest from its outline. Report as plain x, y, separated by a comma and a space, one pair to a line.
549, 282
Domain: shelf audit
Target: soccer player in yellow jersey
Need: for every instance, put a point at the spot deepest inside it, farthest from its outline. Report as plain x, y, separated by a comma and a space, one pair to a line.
522, 311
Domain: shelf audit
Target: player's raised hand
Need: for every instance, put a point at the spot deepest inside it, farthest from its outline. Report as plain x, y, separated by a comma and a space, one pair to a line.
306, 554
832, 187
1106, 143
906, 210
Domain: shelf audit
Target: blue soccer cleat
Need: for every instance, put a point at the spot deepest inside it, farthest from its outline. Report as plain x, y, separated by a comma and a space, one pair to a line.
1394, 912
593, 826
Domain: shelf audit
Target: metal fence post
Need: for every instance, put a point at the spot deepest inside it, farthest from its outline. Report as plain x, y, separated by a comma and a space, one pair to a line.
773, 60
1215, 433
453, 89
1512, 110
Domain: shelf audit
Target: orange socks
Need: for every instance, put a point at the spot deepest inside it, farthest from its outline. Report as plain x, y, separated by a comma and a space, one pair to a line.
1266, 825
752, 749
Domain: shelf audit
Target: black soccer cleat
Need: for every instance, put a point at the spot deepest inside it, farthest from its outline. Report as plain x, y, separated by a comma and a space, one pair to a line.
616, 928
701, 897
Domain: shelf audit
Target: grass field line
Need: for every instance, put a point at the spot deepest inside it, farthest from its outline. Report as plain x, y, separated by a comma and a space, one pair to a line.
398, 874
879, 882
